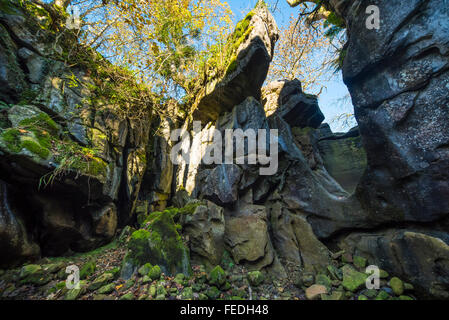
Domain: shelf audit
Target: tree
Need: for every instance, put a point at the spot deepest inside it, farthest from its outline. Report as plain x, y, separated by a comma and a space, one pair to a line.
163, 43
302, 52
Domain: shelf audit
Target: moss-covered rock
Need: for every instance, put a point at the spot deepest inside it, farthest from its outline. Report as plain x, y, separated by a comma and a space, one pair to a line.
382, 295
152, 291
217, 276
352, 279
187, 293
255, 278
29, 270
128, 296
88, 269
397, 286
359, 262
159, 244
106, 289
324, 280
145, 269
160, 290
115, 272
213, 293
155, 273
34, 274
102, 280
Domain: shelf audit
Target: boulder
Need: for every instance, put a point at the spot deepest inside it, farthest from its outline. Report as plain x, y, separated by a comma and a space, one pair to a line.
15, 242
12, 78
221, 183
159, 243
248, 240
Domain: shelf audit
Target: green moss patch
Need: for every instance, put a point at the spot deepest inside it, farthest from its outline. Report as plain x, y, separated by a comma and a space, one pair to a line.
159, 243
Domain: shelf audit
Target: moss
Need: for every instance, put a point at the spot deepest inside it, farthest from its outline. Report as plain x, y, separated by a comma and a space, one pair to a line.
352, 279
159, 244
28, 96
174, 213
38, 12
255, 278
88, 269
11, 137
40, 122
35, 148
155, 273
397, 285
217, 276
232, 66
145, 269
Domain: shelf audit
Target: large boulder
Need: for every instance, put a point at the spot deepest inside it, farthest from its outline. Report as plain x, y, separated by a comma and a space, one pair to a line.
248, 240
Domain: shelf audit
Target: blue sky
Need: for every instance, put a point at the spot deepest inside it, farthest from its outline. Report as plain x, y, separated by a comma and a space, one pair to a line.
329, 101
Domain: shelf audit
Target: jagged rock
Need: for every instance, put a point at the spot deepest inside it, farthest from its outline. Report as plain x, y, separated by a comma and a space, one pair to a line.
344, 157
286, 99
401, 109
205, 230
245, 76
420, 258
157, 180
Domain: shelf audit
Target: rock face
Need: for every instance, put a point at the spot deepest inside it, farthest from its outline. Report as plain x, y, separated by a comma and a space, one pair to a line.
66, 163
247, 71
343, 155
401, 109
